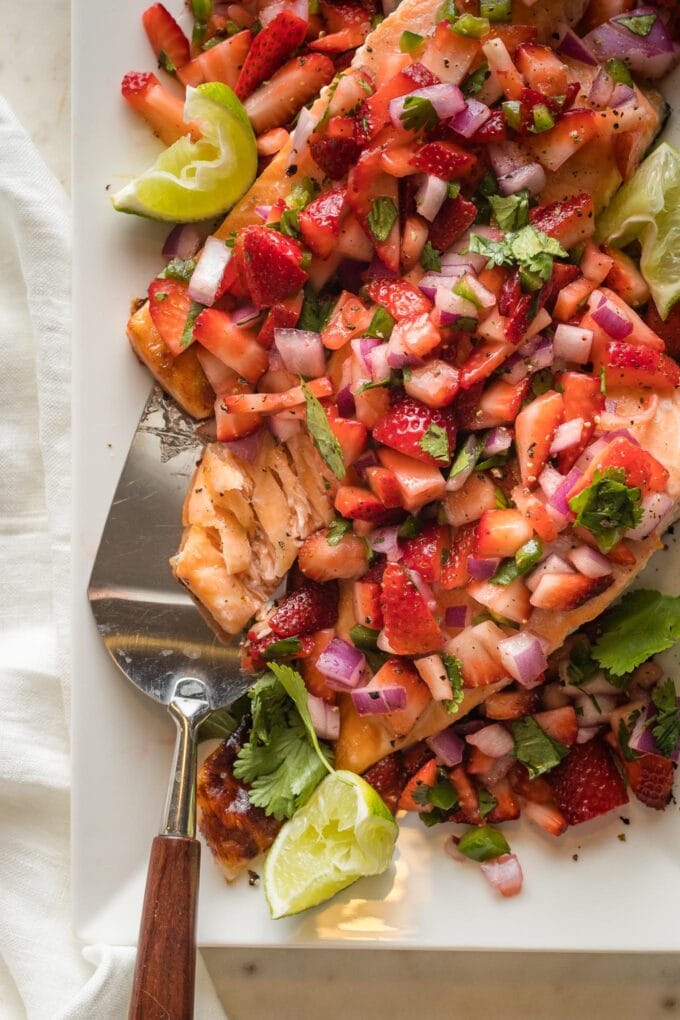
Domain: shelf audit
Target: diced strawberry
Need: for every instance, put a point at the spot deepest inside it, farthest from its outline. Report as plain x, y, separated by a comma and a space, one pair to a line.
418, 483
320, 221
357, 504
315, 681
416, 335
535, 428
410, 627
547, 816
254, 657
536, 790
477, 763
400, 297
542, 69
511, 601
221, 62
373, 114
405, 427
453, 219
668, 329
506, 705
571, 132
349, 318
483, 362
231, 425
350, 434
478, 666
283, 315
582, 398
507, 806
586, 783
339, 14
367, 183
269, 263
567, 591
387, 778
633, 365
167, 39
569, 221
449, 55
469, 503
641, 469
535, 511
424, 552
516, 306
454, 572
366, 604
494, 129
625, 278
270, 49
559, 723
595, 264
435, 383
468, 802
170, 305
426, 776
572, 299
420, 75
163, 111
235, 345
651, 779
500, 403
400, 673
276, 101
384, 485
443, 159
335, 155
309, 608
272, 403
501, 533
563, 273
345, 39
372, 406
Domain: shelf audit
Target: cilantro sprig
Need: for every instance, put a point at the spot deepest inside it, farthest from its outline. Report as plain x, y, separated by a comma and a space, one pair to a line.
529, 248
534, 748
382, 217
608, 507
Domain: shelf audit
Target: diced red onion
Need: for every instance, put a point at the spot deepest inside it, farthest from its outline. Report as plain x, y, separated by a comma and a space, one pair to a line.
550, 479
651, 55
657, 509
378, 700
361, 348
493, 740
433, 673
552, 564
244, 314
504, 874
590, 453
567, 434
482, 569
586, 733
506, 157
424, 589
558, 500
247, 448
572, 46
342, 664
472, 451
601, 90
623, 95
306, 123
612, 321
515, 369
592, 711
498, 440
642, 738
325, 718
446, 99
457, 617
573, 343
447, 746
430, 196
451, 848
263, 211
589, 562
471, 118
624, 433
523, 655
367, 459
542, 357
207, 276
182, 242
431, 281
469, 726
283, 427
302, 351
345, 401
377, 360
385, 542
454, 307
467, 262
499, 770
532, 177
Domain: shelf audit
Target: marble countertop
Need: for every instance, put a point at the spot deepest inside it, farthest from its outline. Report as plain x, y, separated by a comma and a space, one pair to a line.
34, 77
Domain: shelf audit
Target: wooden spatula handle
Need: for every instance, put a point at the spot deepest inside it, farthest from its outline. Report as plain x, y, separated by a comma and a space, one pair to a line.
166, 957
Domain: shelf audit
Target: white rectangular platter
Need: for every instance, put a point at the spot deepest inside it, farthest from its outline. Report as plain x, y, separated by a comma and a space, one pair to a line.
590, 890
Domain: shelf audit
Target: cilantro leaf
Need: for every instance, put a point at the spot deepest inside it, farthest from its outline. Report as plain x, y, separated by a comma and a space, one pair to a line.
178, 269
382, 217
454, 672
294, 687
418, 113
430, 258
498, 253
467, 455
435, 441
337, 529
666, 723
511, 212
474, 83
607, 507
483, 843
642, 624
288, 224
581, 666
640, 24
381, 325
533, 250
486, 802
534, 748
322, 436
315, 311
188, 332
281, 649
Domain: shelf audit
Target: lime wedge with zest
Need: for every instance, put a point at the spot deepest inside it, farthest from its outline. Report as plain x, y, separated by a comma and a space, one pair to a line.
647, 208
344, 832
203, 179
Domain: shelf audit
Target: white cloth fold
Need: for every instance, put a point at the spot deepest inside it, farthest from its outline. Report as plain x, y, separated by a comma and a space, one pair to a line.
44, 973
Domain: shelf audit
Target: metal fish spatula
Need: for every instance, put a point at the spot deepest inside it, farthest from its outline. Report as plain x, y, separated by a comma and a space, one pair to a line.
159, 639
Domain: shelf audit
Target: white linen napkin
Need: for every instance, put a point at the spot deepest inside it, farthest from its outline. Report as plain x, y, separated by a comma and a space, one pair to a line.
44, 973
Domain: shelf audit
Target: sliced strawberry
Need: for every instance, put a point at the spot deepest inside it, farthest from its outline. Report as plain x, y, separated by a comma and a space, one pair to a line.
640, 468
632, 365
563, 273
494, 129
420, 75
221, 62
387, 778
500, 403
507, 805
383, 484
256, 660
373, 114
366, 604
559, 723
547, 816
350, 434
587, 783
339, 42
170, 305
453, 219
506, 705
270, 49
443, 159
582, 398
418, 483
625, 278
370, 189
399, 297
269, 263
511, 601
517, 307
283, 315
480, 365
571, 132
230, 425
435, 383
567, 591
569, 221
235, 345
163, 112
534, 432
468, 801
399, 673
406, 424
501, 533
454, 572
410, 627
542, 69
478, 666
477, 495
425, 777
167, 39
357, 504
424, 552
335, 156
535, 511
651, 779
309, 608
320, 221
349, 318
276, 101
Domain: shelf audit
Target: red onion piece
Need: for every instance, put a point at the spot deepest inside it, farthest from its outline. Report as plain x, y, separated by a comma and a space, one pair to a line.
483, 297
454, 307
461, 263
586, 733
345, 401
558, 500
623, 95
589, 562
504, 874
552, 564
625, 433
523, 655
430, 196
612, 321
457, 617
593, 711
378, 363
447, 746
542, 357
471, 118
493, 740
361, 348
573, 343
550, 479
506, 157
342, 664
207, 276
303, 129
302, 351
567, 434
431, 281
385, 542
532, 177
651, 55
572, 46
247, 448
245, 314
482, 569
367, 459
263, 211
433, 672
451, 849
498, 440
515, 369
657, 510
590, 453
378, 700
283, 427
642, 738
325, 718
446, 99
182, 242
601, 90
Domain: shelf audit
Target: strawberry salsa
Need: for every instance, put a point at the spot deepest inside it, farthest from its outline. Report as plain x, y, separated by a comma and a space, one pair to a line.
431, 303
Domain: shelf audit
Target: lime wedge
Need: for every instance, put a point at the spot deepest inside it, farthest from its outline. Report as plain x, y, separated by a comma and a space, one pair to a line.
343, 832
198, 180
647, 208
